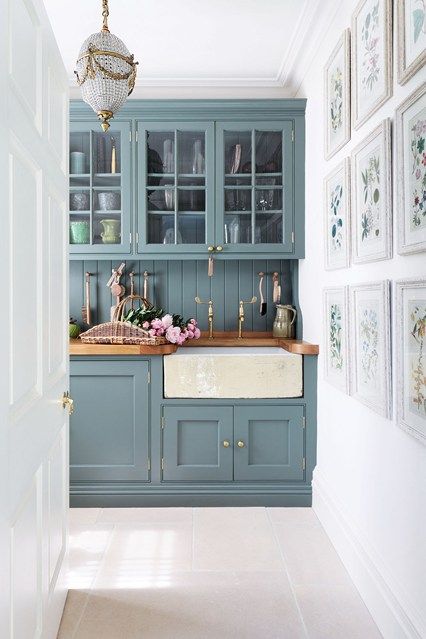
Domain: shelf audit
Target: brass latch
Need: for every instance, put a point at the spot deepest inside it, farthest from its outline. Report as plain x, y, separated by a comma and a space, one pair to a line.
68, 401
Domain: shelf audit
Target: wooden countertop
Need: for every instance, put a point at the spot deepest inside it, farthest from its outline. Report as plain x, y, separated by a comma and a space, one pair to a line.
220, 339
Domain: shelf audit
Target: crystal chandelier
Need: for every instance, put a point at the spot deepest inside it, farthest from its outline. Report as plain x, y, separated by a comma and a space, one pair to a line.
105, 71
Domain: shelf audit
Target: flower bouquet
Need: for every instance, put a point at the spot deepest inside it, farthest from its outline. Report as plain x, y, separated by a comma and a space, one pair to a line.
159, 324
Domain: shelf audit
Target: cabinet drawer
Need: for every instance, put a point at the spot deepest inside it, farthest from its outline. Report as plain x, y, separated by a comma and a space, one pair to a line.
272, 443
193, 443
109, 428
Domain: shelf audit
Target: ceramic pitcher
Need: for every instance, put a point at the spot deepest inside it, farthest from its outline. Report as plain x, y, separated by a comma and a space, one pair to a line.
111, 234
284, 321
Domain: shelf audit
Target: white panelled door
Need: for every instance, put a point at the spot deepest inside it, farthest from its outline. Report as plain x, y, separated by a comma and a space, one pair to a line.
33, 323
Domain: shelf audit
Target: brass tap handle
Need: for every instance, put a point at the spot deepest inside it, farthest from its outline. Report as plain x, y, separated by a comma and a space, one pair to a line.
241, 314
210, 314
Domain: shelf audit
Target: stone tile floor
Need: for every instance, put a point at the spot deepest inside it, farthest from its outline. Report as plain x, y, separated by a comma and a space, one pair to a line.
208, 573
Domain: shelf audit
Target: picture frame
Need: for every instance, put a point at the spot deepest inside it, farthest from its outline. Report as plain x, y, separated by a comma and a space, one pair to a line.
370, 381
410, 120
371, 58
336, 337
411, 18
337, 111
371, 191
410, 303
337, 217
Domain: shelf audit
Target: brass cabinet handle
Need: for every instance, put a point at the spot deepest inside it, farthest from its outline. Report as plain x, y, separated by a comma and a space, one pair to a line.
226, 443
240, 444
219, 248
210, 249
68, 401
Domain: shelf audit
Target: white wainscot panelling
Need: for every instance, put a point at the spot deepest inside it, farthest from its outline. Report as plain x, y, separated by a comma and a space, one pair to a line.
24, 285
57, 111
25, 565
55, 322
57, 505
25, 57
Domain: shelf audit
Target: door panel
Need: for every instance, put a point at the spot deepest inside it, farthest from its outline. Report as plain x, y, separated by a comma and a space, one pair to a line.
109, 428
193, 447
273, 438
33, 325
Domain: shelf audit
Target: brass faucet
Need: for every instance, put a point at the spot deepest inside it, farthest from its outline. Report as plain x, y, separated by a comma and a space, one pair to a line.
210, 314
241, 314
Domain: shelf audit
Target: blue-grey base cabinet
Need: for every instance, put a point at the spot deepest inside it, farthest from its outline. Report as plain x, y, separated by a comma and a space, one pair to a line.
130, 446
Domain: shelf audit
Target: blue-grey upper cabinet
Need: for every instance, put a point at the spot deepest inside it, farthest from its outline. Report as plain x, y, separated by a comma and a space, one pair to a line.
175, 181
269, 443
197, 443
254, 187
109, 429
100, 201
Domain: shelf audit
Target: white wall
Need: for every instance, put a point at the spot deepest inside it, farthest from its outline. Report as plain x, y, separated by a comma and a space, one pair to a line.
370, 481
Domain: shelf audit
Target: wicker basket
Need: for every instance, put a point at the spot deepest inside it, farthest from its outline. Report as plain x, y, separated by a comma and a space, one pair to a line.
120, 332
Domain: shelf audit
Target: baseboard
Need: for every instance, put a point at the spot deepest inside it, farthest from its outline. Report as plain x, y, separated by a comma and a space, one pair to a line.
383, 596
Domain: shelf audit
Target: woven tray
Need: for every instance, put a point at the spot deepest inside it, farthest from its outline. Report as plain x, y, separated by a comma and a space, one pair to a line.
120, 332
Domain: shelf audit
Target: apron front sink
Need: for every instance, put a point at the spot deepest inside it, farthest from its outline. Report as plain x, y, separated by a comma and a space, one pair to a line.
233, 372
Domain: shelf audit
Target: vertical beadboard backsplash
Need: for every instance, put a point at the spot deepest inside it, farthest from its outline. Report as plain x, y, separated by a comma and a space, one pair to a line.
174, 284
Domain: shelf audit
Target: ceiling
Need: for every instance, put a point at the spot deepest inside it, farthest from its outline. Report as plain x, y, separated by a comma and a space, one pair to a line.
197, 43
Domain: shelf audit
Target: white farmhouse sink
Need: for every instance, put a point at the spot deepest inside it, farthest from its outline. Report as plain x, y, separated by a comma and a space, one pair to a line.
233, 372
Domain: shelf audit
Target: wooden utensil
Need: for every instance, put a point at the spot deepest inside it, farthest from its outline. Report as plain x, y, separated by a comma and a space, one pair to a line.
85, 309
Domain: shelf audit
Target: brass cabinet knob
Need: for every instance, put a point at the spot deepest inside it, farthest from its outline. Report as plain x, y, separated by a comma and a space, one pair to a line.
240, 444
219, 248
68, 401
226, 443
210, 249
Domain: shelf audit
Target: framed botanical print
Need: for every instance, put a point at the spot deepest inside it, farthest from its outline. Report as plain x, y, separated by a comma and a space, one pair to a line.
337, 97
411, 172
336, 351
411, 38
372, 197
337, 204
371, 352
371, 58
411, 356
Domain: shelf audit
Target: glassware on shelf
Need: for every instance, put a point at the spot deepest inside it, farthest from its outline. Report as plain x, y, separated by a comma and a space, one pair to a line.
198, 164
168, 156
169, 199
77, 162
79, 201
79, 232
169, 236
109, 201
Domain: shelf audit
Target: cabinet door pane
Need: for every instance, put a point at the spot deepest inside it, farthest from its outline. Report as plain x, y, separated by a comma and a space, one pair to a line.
255, 176
176, 187
193, 447
100, 189
273, 439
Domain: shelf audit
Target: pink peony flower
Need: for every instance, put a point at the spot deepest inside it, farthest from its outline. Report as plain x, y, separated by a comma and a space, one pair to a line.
167, 321
181, 339
191, 328
172, 334
197, 333
160, 332
157, 323
190, 335
152, 332
192, 321
145, 325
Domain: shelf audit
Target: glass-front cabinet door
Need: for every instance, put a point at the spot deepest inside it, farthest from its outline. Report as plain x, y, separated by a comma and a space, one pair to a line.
175, 172
100, 189
254, 172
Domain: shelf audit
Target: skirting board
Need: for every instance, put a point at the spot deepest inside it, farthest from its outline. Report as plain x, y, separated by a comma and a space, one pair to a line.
382, 596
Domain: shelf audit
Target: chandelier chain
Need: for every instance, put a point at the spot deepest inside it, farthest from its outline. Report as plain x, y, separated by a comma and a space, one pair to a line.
105, 14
